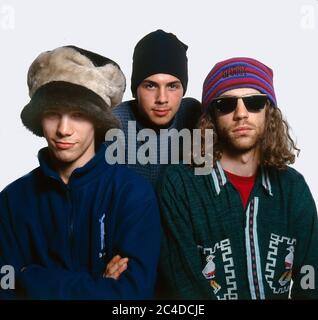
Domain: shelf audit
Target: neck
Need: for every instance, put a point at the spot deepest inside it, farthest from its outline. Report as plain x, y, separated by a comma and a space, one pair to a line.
65, 169
242, 164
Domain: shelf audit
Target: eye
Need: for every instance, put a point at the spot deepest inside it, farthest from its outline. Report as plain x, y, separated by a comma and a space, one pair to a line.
149, 85
50, 114
174, 86
78, 115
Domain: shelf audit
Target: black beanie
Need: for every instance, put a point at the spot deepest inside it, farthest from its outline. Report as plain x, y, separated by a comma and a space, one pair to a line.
159, 52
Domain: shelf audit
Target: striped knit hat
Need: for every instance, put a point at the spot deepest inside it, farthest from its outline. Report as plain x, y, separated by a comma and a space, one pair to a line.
238, 73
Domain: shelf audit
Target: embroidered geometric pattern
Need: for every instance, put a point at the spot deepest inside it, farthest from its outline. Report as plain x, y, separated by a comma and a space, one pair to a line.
228, 264
271, 261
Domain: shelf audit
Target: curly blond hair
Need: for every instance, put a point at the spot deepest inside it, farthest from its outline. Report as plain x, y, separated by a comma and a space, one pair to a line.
277, 148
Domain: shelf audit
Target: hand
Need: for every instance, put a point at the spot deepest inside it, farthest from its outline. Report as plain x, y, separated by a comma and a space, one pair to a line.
115, 267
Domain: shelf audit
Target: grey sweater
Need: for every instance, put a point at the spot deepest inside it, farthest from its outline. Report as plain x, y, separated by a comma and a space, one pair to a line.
186, 117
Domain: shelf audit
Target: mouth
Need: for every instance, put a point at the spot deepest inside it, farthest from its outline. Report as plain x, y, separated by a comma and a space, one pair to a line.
61, 145
242, 130
161, 112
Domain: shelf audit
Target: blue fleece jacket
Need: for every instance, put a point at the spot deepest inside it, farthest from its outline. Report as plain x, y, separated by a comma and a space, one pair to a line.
59, 237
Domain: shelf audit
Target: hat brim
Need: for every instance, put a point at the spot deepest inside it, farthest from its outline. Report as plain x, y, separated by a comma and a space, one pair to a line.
67, 96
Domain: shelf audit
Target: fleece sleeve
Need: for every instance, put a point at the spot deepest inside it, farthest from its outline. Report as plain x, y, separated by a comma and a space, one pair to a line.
138, 238
180, 262
9, 251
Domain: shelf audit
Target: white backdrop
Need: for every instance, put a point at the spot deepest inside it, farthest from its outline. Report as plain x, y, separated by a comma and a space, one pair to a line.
280, 33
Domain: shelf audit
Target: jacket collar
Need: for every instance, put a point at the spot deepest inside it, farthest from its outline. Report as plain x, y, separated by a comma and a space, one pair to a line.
80, 175
219, 179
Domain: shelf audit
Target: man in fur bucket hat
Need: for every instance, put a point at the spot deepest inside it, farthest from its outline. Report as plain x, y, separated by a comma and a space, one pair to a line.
66, 225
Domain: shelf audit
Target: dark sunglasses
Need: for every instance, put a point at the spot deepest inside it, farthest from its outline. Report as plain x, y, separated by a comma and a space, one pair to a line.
252, 102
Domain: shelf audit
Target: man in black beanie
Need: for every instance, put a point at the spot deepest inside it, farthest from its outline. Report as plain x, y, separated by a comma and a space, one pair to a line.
158, 83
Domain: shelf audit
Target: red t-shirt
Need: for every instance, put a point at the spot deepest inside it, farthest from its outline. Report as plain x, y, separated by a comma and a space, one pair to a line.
243, 185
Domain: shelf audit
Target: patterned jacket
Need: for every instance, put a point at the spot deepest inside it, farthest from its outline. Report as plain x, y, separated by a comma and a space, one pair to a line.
214, 249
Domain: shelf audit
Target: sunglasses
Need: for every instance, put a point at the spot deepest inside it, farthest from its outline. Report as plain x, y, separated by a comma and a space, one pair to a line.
227, 104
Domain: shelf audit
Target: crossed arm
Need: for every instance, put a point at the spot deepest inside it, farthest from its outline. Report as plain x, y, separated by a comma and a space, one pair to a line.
115, 267
140, 226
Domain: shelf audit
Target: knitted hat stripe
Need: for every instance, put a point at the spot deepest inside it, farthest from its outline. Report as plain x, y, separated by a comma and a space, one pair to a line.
232, 84
250, 69
210, 87
249, 61
238, 73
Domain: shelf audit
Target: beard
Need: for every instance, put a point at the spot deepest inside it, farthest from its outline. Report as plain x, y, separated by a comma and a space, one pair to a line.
240, 143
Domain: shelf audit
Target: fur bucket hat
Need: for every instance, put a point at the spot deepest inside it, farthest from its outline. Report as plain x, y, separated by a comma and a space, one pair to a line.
73, 78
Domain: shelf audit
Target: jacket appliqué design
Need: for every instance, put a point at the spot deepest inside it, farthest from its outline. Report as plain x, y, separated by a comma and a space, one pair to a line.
209, 273
280, 257
289, 259
222, 280
102, 252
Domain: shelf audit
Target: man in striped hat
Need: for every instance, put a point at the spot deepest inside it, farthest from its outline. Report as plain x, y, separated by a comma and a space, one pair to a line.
252, 211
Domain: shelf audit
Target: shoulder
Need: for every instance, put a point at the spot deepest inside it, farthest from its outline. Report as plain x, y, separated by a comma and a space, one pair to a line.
124, 113
23, 183
177, 171
190, 102
190, 105
295, 191
188, 113
291, 185
127, 181
179, 177
132, 196
288, 176
123, 109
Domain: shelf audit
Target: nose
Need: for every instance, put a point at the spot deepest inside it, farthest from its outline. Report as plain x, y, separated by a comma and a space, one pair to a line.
64, 127
240, 111
162, 97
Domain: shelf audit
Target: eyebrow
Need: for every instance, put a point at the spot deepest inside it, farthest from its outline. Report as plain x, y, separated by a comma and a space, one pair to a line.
175, 82
156, 83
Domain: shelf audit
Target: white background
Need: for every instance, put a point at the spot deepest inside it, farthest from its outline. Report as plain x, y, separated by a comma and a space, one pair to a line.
280, 33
